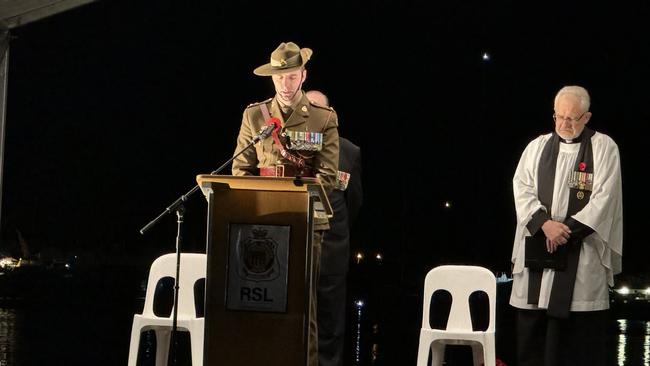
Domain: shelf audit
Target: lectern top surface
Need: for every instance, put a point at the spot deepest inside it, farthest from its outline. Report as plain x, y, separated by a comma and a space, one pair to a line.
300, 184
282, 184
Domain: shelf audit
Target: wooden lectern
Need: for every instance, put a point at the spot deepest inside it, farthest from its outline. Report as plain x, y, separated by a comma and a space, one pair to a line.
259, 268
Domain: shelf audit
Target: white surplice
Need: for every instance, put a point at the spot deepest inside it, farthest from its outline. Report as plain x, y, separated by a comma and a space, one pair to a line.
601, 252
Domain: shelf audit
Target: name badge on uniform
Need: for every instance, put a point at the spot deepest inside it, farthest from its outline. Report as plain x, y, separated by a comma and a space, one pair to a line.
581, 180
342, 180
304, 140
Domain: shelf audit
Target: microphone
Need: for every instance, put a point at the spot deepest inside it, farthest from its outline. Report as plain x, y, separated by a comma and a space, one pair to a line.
272, 124
275, 122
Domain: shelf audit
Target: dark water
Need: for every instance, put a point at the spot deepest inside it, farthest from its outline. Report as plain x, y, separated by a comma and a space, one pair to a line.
38, 337
85, 319
68, 317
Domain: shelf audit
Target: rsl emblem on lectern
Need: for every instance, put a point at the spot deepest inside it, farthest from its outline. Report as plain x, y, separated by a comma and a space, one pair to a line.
258, 257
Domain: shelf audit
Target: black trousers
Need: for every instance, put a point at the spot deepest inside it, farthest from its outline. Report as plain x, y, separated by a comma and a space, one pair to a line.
331, 319
547, 341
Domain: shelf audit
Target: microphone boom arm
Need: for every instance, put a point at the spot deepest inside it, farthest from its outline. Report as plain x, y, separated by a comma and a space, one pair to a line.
264, 133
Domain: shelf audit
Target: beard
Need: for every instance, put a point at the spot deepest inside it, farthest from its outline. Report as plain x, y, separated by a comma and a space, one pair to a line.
288, 97
569, 135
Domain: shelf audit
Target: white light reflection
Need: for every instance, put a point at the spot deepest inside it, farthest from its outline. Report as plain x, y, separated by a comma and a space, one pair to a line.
622, 339
623, 290
357, 347
359, 257
621, 350
646, 351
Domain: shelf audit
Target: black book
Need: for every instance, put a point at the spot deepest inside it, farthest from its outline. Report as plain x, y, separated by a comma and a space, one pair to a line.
538, 257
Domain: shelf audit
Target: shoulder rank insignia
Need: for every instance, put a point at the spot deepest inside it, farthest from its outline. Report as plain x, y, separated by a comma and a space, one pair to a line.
258, 103
321, 106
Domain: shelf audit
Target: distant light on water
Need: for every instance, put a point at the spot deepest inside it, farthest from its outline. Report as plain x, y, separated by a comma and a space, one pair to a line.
622, 340
357, 346
646, 350
623, 290
621, 350
633, 346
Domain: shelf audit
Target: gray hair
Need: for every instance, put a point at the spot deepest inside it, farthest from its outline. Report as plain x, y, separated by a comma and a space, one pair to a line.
578, 92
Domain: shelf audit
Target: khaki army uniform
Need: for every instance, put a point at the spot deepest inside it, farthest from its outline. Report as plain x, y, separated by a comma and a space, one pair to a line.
323, 164
306, 117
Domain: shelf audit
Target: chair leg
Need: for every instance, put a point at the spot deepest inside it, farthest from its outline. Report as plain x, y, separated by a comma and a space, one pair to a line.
134, 347
423, 353
196, 342
437, 353
162, 346
477, 354
489, 352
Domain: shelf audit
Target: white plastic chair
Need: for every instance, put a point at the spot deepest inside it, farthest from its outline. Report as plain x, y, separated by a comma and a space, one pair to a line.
193, 268
460, 282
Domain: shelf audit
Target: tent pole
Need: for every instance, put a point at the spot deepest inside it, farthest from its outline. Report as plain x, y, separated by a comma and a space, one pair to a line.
4, 70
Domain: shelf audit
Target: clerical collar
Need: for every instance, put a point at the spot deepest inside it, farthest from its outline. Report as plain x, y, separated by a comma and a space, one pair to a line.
569, 141
575, 140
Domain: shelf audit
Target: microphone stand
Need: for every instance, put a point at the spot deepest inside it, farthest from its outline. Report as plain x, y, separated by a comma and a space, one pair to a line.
178, 207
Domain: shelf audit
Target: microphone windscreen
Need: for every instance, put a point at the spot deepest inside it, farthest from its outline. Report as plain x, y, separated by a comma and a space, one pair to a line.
275, 121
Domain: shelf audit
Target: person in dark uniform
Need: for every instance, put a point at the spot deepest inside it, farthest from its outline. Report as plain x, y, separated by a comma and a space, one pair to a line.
346, 199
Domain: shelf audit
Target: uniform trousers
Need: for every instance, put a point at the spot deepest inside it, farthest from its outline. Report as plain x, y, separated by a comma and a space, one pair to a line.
331, 319
547, 341
312, 354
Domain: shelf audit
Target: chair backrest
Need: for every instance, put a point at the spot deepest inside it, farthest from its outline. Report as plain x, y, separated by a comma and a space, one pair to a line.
193, 268
461, 282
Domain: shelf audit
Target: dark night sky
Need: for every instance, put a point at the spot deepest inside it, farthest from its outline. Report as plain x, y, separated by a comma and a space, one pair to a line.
115, 107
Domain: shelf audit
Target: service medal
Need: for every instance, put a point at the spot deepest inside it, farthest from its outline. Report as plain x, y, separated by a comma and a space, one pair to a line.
342, 180
305, 140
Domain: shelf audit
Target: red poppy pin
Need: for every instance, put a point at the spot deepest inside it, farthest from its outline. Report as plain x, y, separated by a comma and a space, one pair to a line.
582, 166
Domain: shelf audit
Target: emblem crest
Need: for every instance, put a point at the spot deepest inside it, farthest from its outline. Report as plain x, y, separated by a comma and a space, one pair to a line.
258, 257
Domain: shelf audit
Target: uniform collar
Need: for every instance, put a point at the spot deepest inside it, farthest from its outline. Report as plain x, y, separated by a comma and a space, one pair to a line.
287, 108
299, 115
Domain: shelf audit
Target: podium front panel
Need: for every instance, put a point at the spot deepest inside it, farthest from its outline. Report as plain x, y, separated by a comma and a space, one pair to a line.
257, 298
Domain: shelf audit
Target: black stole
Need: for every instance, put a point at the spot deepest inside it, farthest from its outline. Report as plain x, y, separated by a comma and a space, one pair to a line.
563, 281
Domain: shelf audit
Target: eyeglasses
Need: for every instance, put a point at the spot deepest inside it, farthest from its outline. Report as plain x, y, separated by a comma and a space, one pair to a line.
567, 119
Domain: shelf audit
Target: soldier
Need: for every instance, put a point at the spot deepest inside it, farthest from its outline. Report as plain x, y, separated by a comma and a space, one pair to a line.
307, 144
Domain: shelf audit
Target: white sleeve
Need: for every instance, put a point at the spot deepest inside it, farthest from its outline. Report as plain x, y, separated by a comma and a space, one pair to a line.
524, 183
524, 186
604, 212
